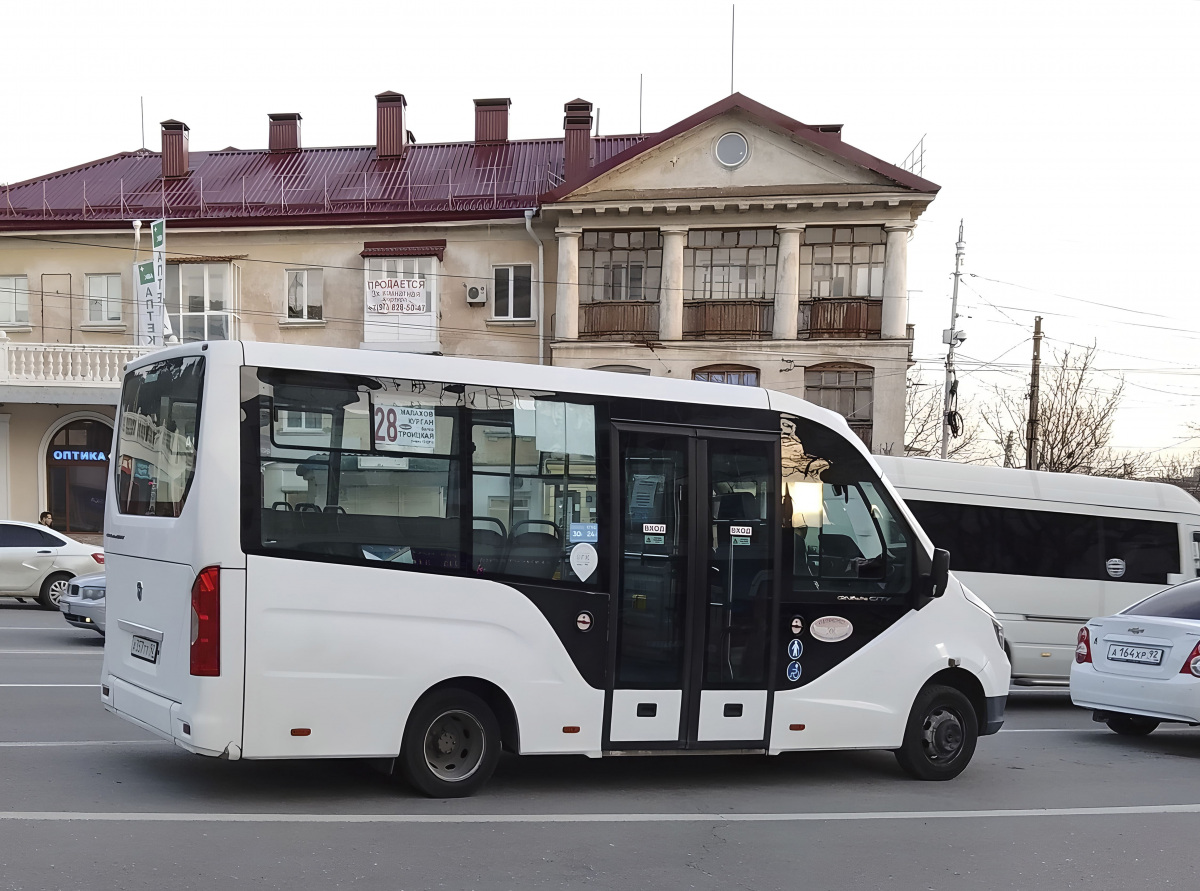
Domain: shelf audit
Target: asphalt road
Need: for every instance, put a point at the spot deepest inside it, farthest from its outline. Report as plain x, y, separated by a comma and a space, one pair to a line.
1053, 801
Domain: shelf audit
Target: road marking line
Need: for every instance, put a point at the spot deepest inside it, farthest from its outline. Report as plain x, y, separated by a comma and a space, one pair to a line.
93, 686
1083, 730
51, 653
866, 816
82, 742
37, 628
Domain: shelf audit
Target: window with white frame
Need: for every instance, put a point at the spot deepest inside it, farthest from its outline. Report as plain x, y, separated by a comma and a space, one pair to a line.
14, 300
305, 297
201, 301
846, 262
104, 298
512, 290
304, 421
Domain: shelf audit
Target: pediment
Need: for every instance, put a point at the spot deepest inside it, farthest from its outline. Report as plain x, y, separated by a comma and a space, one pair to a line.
779, 162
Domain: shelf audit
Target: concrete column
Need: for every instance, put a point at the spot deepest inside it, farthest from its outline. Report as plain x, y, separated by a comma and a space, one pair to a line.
566, 304
670, 300
787, 284
895, 280
5, 503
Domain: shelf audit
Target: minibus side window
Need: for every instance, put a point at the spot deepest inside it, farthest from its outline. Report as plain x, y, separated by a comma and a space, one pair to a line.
842, 534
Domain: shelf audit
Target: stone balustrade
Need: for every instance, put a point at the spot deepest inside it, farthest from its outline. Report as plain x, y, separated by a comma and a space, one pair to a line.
79, 364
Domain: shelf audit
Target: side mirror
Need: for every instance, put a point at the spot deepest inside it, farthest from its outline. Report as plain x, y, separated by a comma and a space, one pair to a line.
939, 572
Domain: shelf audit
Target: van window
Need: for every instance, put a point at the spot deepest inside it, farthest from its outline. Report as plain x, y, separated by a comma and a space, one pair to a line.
376, 474
847, 540
157, 427
1010, 541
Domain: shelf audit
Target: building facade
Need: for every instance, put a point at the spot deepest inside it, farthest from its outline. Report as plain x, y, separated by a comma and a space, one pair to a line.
739, 247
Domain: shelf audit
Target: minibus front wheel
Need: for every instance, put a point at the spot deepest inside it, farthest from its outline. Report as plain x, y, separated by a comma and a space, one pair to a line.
451, 744
940, 736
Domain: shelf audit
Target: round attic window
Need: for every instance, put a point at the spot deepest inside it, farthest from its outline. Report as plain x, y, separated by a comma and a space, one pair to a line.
732, 150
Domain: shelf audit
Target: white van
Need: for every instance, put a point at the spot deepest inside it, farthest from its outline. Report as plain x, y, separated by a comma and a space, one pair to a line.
1049, 551
324, 553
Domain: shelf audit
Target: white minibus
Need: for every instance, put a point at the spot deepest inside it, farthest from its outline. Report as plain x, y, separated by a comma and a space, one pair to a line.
334, 553
1049, 551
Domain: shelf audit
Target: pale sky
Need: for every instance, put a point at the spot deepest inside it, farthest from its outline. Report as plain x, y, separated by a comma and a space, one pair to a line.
1063, 133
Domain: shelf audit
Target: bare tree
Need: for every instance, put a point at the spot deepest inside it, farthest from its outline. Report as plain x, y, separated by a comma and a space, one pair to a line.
923, 409
1075, 420
1178, 470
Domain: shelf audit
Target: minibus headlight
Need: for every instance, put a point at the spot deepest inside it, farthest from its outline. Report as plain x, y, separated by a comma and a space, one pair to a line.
999, 629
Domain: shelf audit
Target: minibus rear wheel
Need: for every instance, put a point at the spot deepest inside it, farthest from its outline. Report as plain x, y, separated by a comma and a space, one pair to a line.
451, 744
940, 736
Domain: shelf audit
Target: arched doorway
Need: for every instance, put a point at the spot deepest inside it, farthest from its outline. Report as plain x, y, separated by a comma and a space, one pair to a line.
77, 474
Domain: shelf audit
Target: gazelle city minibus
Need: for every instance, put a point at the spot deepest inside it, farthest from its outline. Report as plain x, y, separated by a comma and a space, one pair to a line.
1049, 551
332, 553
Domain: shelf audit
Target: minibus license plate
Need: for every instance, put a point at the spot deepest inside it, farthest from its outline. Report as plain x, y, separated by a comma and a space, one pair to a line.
1141, 655
144, 648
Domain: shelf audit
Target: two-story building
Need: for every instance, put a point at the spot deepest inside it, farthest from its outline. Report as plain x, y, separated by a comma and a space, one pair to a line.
738, 246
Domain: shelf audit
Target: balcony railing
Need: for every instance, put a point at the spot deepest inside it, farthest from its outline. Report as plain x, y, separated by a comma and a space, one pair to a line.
731, 318
852, 318
618, 320
85, 365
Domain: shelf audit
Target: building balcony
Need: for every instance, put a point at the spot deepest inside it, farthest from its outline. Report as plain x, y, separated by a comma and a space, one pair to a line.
63, 373
618, 320
842, 318
837, 318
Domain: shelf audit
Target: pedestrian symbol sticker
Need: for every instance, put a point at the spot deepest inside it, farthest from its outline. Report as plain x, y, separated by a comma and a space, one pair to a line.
795, 649
793, 672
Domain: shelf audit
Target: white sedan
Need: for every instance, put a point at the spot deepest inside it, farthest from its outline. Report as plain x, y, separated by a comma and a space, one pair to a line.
1141, 667
38, 563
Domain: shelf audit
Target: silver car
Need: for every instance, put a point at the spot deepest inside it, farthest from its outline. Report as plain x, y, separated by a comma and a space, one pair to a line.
37, 562
83, 604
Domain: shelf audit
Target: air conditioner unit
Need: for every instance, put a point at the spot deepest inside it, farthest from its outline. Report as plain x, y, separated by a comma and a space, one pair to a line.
476, 294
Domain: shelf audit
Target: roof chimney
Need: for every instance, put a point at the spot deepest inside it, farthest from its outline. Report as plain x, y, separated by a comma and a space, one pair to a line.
391, 136
285, 132
174, 149
577, 142
491, 120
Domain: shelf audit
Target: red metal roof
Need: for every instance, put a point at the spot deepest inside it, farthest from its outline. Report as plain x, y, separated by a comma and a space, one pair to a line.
334, 185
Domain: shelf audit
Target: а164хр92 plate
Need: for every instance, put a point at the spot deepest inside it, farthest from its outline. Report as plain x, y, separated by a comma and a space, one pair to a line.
144, 648
1141, 655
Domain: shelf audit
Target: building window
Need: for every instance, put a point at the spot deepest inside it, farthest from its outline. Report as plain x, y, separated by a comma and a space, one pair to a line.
305, 297
846, 389
14, 300
730, 264
738, 375
104, 298
200, 301
845, 262
732, 150
620, 265
303, 421
511, 292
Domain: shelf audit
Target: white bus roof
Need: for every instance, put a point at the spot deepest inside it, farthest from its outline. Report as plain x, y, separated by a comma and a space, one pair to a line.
949, 478
486, 372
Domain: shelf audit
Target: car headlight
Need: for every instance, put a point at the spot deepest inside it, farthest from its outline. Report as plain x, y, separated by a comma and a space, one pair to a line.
999, 629
92, 593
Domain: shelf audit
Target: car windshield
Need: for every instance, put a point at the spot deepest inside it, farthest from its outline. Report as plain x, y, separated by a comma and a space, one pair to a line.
1180, 602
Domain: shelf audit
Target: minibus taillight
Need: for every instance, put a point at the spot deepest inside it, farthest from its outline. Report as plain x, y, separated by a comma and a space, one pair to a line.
206, 623
1191, 665
1083, 651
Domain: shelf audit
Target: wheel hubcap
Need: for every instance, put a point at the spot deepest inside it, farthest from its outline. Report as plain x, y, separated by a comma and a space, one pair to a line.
454, 746
943, 735
57, 590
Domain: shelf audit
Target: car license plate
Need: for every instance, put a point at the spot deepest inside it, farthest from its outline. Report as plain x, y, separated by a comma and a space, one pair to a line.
1141, 655
144, 648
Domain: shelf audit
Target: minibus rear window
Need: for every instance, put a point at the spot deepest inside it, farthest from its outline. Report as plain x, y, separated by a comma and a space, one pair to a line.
156, 436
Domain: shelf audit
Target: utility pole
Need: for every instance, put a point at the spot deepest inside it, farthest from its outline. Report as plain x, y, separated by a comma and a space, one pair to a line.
953, 338
1031, 434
